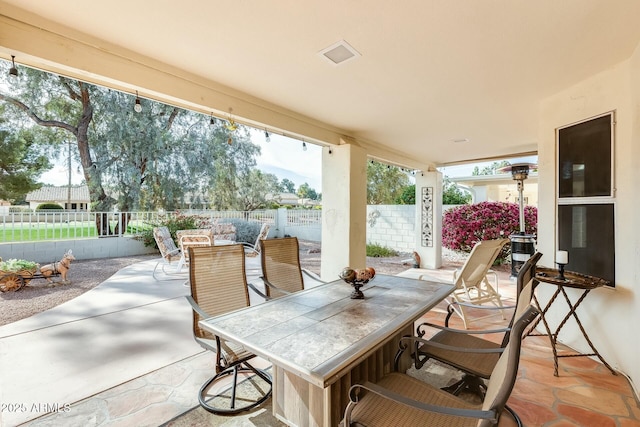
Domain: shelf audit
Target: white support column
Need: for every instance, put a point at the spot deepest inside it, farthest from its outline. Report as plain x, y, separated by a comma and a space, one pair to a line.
344, 209
429, 219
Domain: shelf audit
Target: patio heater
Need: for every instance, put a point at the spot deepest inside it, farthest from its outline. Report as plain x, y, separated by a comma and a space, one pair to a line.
522, 244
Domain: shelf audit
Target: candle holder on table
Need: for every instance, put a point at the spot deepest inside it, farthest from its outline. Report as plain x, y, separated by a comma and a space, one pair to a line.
562, 259
357, 278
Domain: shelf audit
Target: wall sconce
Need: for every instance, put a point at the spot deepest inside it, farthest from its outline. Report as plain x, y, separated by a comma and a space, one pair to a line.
137, 107
13, 71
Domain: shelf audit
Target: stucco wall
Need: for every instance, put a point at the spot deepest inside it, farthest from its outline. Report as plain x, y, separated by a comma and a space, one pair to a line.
609, 315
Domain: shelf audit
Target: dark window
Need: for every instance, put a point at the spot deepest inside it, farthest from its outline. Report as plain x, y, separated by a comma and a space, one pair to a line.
584, 157
587, 232
586, 211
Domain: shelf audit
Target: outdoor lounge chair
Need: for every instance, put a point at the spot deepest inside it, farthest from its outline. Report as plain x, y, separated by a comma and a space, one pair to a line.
218, 285
189, 238
168, 250
472, 284
400, 400
451, 346
281, 271
254, 250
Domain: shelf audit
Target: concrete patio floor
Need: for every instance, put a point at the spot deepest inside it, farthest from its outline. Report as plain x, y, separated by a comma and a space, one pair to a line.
123, 355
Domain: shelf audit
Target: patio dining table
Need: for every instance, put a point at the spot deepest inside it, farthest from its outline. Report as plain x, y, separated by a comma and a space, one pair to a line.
320, 341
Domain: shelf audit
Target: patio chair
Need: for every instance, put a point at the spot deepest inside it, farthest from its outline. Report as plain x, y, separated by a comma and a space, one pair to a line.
189, 238
254, 250
218, 286
281, 271
169, 252
472, 284
454, 347
400, 400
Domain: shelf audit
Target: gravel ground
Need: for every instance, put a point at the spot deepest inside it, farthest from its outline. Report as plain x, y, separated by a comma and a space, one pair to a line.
84, 275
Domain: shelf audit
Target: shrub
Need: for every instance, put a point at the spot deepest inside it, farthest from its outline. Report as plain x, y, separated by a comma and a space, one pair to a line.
49, 207
246, 231
464, 226
173, 223
376, 250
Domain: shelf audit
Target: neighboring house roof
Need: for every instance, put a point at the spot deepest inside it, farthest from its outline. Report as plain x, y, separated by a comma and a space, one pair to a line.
284, 198
497, 179
50, 194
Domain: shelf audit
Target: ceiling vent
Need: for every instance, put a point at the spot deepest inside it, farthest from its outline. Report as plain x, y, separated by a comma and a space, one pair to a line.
339, 53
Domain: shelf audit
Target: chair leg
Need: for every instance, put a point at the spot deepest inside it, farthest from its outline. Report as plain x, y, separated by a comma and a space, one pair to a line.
469, 383
233, 408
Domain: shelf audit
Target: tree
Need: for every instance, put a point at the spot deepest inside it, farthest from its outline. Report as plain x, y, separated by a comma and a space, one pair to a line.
408, 196
20, 165
491, 169
385, 184
306, 192
287, 186
452, 195
149, 159
253, 187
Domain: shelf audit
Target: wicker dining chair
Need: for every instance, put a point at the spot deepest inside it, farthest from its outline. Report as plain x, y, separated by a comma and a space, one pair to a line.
219, 285
281, 271
401, 400
476, 367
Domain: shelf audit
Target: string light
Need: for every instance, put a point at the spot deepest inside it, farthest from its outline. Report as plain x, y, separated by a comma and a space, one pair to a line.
304, 146
267, 137
137, 107
13, 71
212, 121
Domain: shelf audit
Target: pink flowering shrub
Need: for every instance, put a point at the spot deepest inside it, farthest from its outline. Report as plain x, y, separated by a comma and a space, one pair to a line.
464, 226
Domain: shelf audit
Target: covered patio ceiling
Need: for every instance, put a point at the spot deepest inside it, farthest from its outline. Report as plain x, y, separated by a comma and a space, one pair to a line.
438, 82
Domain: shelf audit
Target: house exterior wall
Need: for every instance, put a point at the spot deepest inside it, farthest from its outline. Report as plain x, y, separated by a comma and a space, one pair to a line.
610, 316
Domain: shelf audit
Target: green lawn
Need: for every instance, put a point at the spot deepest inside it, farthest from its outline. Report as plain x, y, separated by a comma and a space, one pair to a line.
45, 231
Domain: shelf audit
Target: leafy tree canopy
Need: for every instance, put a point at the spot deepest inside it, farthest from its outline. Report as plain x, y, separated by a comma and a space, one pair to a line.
21, 163
491, 169
385, 184
306, 192
287, 186
453, 195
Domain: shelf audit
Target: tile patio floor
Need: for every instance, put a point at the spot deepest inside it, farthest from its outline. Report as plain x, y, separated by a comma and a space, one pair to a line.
584, 394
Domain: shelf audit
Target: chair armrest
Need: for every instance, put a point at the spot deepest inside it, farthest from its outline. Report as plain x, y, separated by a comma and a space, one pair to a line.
196, 307
414, 340
274, 287
254, 289
312, 275
403, 400
459, 331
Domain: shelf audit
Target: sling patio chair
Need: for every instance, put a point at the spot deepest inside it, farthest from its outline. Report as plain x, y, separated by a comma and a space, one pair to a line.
401, 400
254, 250
471, 280
218, 286
170, 253
281, 271
450, 346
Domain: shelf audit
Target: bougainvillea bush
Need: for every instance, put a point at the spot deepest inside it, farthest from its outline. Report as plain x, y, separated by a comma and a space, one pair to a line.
464, 226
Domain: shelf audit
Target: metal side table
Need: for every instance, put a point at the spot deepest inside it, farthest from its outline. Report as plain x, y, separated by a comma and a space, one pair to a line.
571, 280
